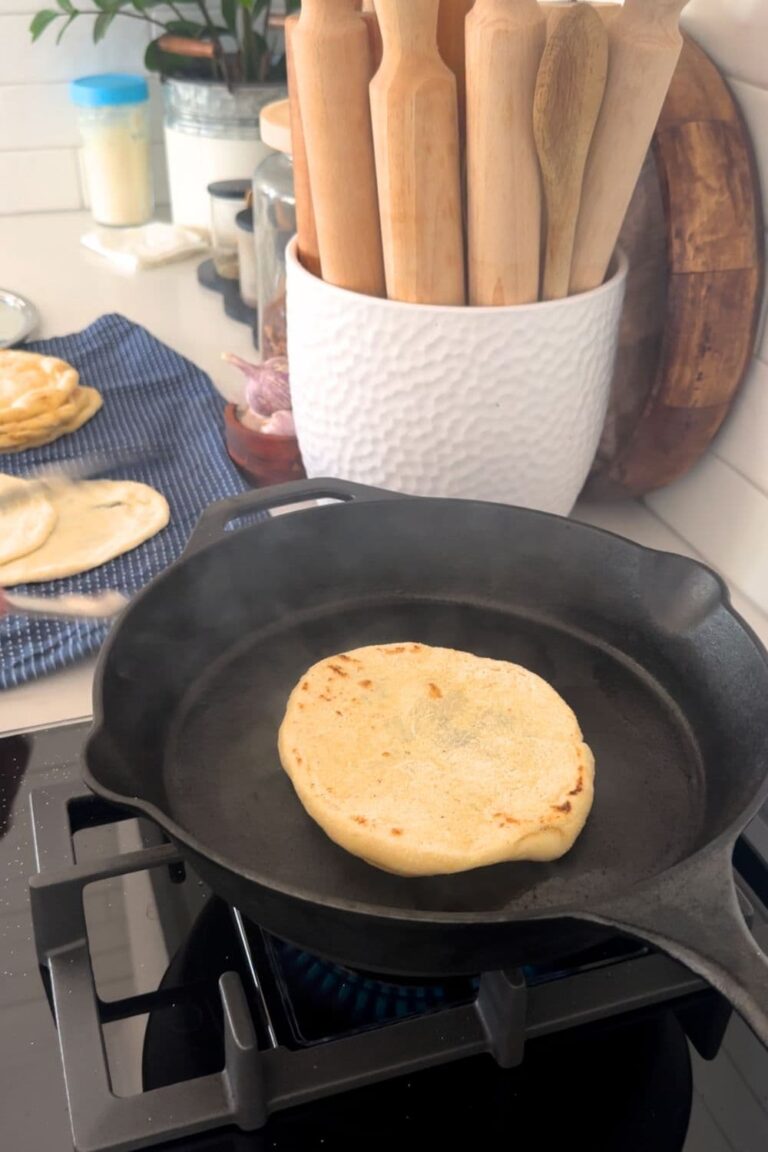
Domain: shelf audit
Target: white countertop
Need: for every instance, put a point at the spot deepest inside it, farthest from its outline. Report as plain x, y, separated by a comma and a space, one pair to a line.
41, 258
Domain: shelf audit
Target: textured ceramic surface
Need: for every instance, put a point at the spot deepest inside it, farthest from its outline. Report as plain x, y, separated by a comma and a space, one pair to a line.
503, 404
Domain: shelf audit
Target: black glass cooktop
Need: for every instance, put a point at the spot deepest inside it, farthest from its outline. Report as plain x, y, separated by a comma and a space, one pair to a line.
630, 1082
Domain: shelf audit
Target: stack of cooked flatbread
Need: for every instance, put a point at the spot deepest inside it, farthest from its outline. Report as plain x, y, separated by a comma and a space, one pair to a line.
65, 529
41, 399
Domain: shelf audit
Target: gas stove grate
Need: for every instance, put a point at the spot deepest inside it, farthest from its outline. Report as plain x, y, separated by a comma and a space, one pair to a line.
260, 1078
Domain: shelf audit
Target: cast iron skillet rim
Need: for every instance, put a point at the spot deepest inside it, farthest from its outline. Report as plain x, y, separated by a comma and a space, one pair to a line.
726, 839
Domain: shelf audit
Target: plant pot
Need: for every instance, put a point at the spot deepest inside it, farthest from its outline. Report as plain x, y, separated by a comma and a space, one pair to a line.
211, 133
502, 404
264, 459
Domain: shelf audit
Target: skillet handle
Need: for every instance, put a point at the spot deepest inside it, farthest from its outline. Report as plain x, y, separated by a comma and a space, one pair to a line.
213, 522
693, 914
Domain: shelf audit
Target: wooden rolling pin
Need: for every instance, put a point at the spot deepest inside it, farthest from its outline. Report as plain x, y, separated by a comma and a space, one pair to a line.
451, 22
332, 62
505, 40
306, 229
416, 139
644, 45
569, 93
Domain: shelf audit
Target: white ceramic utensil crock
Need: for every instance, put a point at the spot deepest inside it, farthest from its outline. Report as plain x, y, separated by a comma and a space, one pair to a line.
503, 404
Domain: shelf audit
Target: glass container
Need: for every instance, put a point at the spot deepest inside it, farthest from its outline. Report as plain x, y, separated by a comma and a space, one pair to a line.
113, 116
227, 199
274, 223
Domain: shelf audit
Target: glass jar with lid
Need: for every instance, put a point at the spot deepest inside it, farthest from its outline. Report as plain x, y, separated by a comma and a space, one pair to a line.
113, 116
274, 223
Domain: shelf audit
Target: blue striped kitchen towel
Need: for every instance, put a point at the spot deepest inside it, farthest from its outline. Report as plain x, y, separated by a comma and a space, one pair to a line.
154, 399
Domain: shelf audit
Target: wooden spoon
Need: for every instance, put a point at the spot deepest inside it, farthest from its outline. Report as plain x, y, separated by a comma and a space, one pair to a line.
569, 93
505, 40
416, 138
333, 68
644, 45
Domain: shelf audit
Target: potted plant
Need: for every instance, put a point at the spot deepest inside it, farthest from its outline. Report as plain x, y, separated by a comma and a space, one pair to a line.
219, 66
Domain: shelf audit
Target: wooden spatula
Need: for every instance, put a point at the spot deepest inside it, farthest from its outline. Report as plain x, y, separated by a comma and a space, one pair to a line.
644, 45
505, 40
569, 93
306, 229
333, 69
416, 138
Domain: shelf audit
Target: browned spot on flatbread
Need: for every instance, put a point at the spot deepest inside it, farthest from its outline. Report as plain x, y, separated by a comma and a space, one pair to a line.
359, 819
339, 671
566, 807
435, 692
393, 651
366, 683
505, 818
415, 647
395, 831
305, 686
339, 713
579, 787
386, 753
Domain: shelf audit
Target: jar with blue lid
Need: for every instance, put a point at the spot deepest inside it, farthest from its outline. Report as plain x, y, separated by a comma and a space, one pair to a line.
113, 115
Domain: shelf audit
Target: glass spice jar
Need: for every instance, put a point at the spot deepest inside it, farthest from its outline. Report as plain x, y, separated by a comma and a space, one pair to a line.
227, 199
274, 223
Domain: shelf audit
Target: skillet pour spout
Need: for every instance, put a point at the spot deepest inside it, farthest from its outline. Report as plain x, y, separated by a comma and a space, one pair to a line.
668, 682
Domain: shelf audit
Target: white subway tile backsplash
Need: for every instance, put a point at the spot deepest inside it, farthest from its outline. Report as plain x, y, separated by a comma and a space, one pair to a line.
735, 33
725, 518
36, 116
743, 442
22, 62
14, 7
761, 343
38, 181
754, 104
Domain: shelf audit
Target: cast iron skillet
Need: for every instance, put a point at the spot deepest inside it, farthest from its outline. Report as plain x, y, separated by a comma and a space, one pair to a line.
670, 687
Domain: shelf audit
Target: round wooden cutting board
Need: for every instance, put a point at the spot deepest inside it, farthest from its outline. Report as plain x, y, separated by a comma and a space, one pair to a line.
693, 235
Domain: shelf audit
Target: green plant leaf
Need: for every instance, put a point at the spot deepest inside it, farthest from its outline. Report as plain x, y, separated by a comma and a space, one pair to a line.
188, 28
40, 22
229, 13
101, 25
66, 6
154, 58
65, 25
248, 4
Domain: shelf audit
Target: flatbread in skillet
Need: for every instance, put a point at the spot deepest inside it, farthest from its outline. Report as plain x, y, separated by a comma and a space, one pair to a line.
426, 761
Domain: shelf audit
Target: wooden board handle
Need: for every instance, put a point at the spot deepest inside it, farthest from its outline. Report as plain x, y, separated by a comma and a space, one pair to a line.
416, 138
